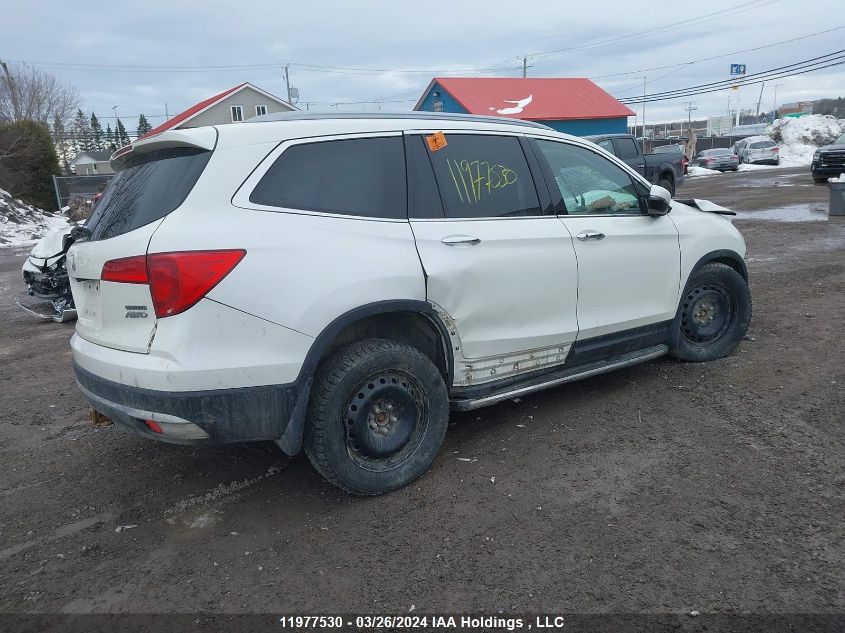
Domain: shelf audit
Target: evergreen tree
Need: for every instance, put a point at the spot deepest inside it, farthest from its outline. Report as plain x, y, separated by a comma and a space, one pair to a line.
32, 162
81, 132
121, 136
110, 143
143, 125
61, 143
97, 140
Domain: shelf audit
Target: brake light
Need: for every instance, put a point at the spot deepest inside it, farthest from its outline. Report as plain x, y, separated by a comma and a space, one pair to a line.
126, 270
776, 149
733, 156
177, 280
154, 426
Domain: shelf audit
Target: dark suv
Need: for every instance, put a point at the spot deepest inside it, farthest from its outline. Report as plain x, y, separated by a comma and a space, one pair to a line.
829, 160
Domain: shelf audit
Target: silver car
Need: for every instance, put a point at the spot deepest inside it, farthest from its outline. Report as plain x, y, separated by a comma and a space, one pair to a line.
759, 150
720, 159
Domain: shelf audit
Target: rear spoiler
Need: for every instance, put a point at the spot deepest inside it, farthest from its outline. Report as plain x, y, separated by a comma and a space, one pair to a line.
706, 205
202, 138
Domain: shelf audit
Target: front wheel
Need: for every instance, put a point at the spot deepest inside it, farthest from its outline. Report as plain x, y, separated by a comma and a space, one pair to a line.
713, 315
377, 416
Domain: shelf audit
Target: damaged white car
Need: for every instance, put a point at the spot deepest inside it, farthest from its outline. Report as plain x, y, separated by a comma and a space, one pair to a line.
45, 275
338, 282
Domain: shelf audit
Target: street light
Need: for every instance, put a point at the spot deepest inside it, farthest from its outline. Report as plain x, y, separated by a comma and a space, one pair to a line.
689, 110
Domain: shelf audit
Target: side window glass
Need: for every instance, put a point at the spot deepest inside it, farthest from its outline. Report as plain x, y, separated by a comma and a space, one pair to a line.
589, 184
626, 148
424, 195
363, 177
606, 144
484, 177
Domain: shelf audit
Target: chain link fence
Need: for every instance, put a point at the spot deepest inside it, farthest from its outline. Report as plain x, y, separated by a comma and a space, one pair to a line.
82, 187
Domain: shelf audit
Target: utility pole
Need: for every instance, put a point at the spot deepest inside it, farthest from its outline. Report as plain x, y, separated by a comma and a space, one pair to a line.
524, 67
644, 76
287, 80
166, 113
689, 110
757, 116
775, 103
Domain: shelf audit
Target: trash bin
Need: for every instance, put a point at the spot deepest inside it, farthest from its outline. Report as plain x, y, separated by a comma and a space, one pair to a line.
837, 197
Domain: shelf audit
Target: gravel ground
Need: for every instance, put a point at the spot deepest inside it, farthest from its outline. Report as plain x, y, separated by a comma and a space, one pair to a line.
663, 488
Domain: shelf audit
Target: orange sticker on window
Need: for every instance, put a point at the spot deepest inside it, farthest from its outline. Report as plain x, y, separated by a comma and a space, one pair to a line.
436, 141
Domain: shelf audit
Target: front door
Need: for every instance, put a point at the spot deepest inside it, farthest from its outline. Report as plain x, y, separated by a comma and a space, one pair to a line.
628, 261
496, 258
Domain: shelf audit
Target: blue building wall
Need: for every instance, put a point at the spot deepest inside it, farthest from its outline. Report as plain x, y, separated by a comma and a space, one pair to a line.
585, 127
576, 127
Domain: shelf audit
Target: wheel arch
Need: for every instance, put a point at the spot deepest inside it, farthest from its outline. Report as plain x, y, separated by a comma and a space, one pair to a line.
404, 320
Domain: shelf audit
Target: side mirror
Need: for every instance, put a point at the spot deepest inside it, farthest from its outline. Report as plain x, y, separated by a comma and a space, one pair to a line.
659, 201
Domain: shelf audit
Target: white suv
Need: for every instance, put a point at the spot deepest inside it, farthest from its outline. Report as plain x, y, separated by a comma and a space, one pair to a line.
337, 282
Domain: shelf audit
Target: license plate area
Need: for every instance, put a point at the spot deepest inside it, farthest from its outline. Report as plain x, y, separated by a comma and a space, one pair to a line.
89, 311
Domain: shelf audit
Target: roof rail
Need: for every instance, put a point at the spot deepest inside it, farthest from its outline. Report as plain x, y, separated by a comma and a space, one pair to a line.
441, 116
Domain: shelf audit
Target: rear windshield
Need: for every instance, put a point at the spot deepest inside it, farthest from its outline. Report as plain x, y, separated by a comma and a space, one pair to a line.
667, 149
762, 144
149, 187
716, 152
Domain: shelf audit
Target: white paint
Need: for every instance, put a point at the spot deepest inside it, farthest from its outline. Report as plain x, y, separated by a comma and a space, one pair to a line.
519, 105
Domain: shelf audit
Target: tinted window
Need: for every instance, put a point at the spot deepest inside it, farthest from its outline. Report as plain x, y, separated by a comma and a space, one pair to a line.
626, 148
589, 183
716, 152
484, 177
363, 177
424, 195
149, 187
762, 144
667, 149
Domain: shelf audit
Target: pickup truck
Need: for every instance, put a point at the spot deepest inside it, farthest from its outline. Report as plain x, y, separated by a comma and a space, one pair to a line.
666, 170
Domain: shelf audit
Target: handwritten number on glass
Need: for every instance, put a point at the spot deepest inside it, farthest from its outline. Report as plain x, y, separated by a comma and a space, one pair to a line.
473, 179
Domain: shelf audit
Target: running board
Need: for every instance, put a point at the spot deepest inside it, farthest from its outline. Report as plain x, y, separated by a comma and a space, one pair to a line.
561, 377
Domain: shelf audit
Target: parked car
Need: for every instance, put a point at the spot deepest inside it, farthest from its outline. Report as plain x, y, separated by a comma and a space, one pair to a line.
663, 170
829, 160
720, 159
338, 282
758, 149
674, 149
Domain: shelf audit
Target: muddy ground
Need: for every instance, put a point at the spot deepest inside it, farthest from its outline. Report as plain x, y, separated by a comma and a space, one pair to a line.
667, 487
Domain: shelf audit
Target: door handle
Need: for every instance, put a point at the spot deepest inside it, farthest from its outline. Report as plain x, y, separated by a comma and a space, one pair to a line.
590, 235
454, 240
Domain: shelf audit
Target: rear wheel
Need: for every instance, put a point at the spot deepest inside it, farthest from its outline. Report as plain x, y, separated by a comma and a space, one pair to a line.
713, 315
377, 417
668, 184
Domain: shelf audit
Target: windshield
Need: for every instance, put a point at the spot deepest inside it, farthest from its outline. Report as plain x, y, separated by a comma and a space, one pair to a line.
840, 140
149, 187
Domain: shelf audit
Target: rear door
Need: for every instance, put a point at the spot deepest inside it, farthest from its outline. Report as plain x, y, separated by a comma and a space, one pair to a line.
154, 181
628, 262
496, 258
628, 151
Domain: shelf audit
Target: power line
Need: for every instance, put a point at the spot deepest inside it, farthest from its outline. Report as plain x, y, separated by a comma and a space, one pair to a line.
798, 68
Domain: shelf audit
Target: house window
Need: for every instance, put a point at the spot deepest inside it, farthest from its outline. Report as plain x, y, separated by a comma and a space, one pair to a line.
237, 114
260, 109
94, 168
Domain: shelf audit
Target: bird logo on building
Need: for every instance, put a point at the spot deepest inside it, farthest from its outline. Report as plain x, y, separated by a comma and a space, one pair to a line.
519, 106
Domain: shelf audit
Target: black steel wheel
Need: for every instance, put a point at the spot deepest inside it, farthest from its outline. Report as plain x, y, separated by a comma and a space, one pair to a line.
713, 315
378, 413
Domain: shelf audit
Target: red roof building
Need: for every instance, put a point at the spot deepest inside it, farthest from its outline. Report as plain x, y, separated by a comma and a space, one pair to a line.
234, 105
573, 105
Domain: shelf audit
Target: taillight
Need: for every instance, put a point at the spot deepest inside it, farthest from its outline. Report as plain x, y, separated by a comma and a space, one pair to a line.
733, 156
126, 270
177, 280
776, 149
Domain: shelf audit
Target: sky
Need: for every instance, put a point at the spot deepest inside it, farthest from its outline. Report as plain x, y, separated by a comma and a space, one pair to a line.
156, 57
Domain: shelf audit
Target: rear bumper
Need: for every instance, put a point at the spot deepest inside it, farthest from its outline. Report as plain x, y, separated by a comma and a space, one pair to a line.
195, 417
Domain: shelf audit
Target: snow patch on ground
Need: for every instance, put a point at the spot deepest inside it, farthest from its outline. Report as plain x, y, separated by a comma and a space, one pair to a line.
22, 224
695, 170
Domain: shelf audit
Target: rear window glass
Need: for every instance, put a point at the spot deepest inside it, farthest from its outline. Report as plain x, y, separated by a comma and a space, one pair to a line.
484, 177
363, 177
149, 187
716, 152
762, 144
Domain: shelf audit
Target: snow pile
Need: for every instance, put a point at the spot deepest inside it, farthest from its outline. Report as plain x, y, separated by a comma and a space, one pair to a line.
799, 137
22, 224
697, 170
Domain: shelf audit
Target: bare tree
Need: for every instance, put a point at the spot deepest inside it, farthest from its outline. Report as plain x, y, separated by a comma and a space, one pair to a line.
27, 94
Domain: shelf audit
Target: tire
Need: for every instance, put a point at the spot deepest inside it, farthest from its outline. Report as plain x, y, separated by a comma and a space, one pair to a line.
668, 184
713, 314
377, 416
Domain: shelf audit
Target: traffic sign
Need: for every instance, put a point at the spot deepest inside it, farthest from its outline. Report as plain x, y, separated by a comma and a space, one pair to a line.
737, 69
